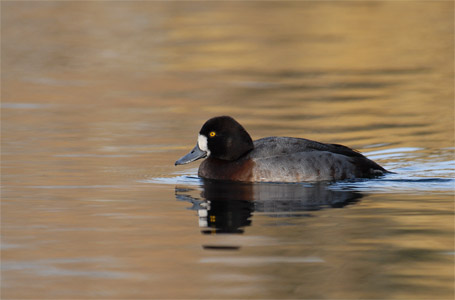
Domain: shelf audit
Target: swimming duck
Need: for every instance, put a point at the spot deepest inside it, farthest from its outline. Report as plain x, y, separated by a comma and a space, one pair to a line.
232, 155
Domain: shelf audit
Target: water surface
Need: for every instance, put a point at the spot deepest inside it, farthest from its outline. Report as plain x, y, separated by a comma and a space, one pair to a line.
100, 98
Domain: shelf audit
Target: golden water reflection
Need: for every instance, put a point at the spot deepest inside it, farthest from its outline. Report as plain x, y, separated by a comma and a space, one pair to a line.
100, 98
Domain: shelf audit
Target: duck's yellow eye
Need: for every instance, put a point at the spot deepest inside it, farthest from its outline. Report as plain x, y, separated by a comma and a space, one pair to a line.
212, 133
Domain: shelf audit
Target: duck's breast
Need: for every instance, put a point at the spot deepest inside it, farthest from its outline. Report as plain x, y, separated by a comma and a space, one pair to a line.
239, 170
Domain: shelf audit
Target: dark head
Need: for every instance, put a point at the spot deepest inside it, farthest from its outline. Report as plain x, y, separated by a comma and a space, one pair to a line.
220, 137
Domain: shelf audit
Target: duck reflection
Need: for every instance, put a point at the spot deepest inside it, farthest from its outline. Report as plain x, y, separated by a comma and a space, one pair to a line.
227, 207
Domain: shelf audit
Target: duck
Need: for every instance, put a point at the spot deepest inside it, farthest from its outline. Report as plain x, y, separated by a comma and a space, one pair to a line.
231, 155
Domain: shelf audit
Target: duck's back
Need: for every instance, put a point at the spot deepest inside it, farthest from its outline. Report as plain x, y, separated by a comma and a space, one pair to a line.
286, 159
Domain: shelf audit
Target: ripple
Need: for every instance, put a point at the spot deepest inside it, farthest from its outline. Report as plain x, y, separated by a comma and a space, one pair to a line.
394, 185
394, 150
65, 267
25, 105
75, 186
183, 179
249, 261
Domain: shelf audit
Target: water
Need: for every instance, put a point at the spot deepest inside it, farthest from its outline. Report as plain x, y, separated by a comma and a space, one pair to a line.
100, 98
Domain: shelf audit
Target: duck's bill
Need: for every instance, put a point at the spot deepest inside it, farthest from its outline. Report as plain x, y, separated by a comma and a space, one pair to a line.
194, 154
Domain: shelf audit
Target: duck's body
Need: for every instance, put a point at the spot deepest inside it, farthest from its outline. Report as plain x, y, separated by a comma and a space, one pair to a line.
232, 155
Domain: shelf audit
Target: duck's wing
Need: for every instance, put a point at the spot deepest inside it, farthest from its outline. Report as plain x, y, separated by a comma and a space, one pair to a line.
335, 148
277, 146
288, 149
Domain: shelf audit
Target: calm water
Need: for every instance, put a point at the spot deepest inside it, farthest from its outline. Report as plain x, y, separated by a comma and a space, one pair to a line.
100, 98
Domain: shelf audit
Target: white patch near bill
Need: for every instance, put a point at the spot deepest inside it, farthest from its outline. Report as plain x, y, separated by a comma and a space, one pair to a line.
202, 143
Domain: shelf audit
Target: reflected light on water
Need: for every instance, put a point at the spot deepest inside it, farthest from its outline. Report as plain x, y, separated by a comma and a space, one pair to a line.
99, 98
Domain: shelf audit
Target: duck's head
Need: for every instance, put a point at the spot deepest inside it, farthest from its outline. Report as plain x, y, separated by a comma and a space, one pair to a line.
222, 138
